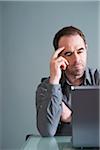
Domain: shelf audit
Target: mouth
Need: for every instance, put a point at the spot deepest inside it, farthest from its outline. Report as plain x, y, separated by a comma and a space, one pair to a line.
78, 66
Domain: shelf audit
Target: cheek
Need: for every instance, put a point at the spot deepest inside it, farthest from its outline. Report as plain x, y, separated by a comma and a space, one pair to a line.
84, 58
71, 62
83, 61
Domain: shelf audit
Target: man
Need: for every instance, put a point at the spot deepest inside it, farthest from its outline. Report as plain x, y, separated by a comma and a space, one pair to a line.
67, 67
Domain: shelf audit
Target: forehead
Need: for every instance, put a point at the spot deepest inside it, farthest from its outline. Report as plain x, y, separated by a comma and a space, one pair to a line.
71, 41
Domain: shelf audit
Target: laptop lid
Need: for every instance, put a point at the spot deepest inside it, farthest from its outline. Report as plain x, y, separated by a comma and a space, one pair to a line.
85, 119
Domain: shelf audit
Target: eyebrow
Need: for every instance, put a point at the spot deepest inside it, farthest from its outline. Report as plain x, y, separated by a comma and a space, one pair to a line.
71, 52
81, 48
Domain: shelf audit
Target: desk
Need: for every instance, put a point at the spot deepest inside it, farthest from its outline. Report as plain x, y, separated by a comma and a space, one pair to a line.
49, 143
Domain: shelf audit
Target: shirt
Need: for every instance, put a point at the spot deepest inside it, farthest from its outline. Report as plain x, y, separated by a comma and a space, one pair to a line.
49, 103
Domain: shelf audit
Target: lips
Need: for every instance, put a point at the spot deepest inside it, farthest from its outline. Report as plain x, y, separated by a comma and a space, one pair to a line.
77, 66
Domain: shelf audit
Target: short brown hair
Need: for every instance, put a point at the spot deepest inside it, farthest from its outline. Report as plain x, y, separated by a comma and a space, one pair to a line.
67, 31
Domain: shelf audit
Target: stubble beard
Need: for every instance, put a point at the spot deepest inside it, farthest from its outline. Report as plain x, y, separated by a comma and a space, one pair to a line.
75, 72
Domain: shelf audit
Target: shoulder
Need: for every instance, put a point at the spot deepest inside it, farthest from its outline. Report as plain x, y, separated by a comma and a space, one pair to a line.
93, 71
93, 76
44, 79
43, 82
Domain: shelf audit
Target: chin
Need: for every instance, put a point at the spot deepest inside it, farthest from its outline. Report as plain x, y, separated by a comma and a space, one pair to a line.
78, 73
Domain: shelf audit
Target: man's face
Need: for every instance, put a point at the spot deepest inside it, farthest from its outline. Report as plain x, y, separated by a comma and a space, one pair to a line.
75, 53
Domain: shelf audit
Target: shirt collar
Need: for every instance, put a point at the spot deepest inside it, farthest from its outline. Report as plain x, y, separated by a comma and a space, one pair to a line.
87, 77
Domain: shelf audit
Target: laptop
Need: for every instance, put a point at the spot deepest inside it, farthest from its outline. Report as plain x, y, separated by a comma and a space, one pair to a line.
85, 118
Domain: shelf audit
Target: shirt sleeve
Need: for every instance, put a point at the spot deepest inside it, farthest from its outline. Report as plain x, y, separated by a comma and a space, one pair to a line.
48, 107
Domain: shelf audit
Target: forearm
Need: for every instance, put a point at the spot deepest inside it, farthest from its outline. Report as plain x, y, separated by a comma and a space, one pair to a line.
49, 108
66, 114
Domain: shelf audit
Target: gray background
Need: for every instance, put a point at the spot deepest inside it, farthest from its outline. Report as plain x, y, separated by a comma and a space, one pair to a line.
26, 33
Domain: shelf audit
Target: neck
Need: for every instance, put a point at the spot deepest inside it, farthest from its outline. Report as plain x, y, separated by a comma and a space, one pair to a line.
76, 81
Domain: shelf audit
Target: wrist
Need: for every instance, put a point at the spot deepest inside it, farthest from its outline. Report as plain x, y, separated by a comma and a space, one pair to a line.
53, 81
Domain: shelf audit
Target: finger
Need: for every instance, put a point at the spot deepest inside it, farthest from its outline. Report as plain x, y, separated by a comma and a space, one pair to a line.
62, 65
63, 59
58, 51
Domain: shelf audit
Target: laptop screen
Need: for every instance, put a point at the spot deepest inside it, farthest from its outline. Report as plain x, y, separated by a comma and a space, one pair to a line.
85, 118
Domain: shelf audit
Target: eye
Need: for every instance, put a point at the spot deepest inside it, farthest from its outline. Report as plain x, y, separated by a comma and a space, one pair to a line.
67, 53
81, 50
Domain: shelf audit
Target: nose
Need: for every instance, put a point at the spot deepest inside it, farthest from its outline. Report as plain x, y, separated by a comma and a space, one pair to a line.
76, 58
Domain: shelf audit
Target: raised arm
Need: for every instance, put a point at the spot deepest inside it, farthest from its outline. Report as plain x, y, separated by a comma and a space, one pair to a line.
49, 105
